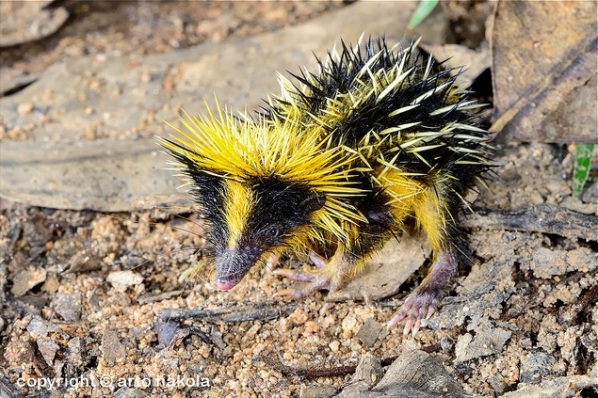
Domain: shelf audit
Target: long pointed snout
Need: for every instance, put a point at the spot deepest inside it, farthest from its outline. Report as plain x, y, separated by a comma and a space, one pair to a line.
233, 264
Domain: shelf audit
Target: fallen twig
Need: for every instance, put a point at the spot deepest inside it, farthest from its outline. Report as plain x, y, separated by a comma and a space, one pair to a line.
314, 373
231, 313
550, 219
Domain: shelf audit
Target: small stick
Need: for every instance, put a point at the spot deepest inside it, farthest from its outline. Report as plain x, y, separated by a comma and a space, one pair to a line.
232, 313
307, 373
314, 373
544, 218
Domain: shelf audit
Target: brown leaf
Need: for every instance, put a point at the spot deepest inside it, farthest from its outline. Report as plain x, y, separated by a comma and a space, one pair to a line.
474, 62
544, 71
384, 273
25, 21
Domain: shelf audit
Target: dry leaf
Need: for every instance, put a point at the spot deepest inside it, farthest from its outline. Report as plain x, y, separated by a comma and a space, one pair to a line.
544, 71
25, 21
474, 62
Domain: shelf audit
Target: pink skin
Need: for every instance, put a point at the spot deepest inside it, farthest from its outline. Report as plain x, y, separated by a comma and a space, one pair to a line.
418, 306
317, 281
225, 285
421, 303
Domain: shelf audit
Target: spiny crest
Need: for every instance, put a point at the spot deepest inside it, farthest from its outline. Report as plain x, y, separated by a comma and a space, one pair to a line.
350, 78
392, 87
244, 148
391, 108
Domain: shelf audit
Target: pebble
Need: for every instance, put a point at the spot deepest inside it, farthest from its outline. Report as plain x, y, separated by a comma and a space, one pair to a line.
487, 341
27, 280
417, 374
121, 280
537, 366
349, 324
127, 392
166, 332
75, 351
299, 317
25, 108
369, 370
547, 263
310, 326
369, 332
317, 391
48, 348
68, 306
113, 350
334, 345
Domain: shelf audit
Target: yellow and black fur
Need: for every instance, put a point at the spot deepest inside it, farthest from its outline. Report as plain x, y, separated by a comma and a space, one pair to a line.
377, 142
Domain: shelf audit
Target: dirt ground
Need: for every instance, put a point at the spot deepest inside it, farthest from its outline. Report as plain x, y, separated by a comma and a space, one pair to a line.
89, 295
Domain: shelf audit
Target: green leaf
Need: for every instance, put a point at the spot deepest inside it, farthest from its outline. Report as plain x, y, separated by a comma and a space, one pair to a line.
424, 8
581, 170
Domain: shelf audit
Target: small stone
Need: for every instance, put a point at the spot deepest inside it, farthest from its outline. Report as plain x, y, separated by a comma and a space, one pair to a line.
310, 326
590, 193
368, 370
68, 306
166, 332
498, 383
127, 392
299, 317
582, 259
113, 350
217, 340
537, 366
317, 391
48, 348
51, 285
27, 280
38, 328
25, 108
83, 260
17, 352
121, 280
334, 345
418, 374
75, 351
349, 324
547, 263
446, 343
369, 332
487, 341
251, 333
